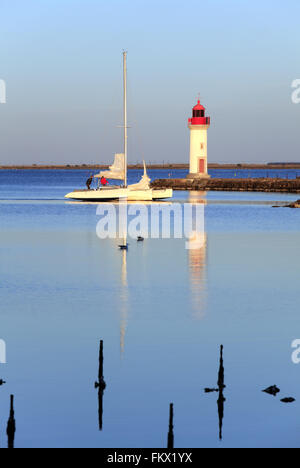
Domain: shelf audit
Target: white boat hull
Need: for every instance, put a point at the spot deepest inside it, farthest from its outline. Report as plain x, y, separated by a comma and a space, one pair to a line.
107, 194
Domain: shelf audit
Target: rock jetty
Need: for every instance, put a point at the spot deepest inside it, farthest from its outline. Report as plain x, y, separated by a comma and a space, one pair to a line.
231, 185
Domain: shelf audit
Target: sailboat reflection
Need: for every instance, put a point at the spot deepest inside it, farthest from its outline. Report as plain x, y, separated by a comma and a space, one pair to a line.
11, 425
124, 302
101, 385
123, 246
197, 252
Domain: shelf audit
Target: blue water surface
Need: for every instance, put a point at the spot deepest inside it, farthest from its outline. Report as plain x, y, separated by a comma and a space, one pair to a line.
162, 311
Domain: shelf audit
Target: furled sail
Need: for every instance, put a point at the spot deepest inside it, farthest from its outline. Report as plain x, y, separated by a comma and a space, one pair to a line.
144, 183
117, 170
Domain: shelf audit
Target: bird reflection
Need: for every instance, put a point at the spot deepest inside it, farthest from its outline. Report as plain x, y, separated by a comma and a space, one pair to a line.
101, 385
171, 428
11, 425
197, 251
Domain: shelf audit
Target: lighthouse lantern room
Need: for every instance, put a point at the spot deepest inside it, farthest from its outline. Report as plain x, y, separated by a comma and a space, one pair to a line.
198, 126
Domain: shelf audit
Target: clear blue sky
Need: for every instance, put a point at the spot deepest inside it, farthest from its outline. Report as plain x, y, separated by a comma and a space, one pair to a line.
62, 62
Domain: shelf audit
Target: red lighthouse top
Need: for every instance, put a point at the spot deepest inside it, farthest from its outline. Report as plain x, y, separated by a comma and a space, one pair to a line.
199, 115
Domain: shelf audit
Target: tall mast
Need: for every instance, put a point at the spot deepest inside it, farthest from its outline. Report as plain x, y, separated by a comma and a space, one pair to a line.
125, 116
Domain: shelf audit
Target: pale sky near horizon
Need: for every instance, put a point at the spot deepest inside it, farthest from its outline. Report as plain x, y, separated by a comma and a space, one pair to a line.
62, 64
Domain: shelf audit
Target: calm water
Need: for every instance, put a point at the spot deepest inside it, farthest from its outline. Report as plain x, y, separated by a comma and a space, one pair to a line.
162, 311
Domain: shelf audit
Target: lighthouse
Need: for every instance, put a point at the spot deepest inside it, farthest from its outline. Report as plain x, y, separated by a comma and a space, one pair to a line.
198, 126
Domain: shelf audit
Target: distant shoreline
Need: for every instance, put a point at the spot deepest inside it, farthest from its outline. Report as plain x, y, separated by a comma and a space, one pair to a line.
89, 167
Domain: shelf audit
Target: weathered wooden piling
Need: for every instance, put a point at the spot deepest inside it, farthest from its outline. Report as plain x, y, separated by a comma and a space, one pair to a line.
11, 425
101, 382
221, 399
101, 385
171, 428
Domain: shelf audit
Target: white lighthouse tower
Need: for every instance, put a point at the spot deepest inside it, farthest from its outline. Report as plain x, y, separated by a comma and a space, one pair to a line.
198, 126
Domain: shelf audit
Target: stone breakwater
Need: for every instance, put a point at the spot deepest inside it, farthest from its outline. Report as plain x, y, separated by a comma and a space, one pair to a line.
230, 185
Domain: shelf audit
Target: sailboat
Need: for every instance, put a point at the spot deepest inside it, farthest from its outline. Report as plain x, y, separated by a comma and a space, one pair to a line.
141, 191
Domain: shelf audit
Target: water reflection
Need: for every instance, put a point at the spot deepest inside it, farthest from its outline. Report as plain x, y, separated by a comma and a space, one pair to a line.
100, 408
101, 385
123, 302
197, 254
171, 428
11, 425
221, 399
220, 390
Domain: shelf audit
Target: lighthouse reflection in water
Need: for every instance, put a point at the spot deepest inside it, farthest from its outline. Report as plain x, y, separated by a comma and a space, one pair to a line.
197, 255
194, 243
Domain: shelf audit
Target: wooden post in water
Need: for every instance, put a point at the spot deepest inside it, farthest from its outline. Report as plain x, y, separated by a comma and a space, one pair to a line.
221, 375
11, 425
221, 399
101, 385
101, 378
171, 428
101, 382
